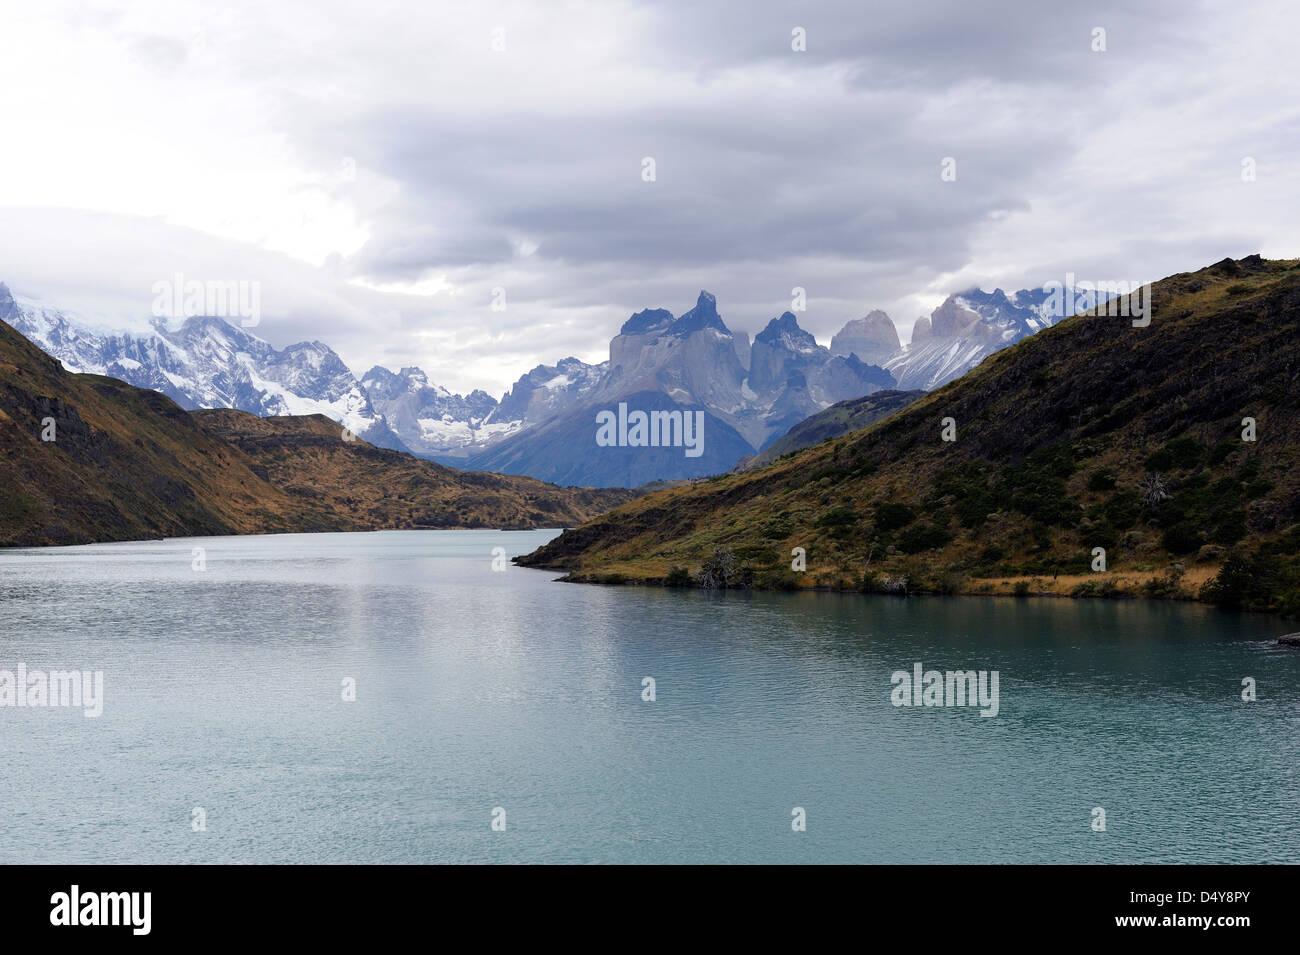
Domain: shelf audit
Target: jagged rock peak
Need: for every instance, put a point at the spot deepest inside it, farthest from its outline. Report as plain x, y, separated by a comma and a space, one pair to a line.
785, 330
703, 315
647, 321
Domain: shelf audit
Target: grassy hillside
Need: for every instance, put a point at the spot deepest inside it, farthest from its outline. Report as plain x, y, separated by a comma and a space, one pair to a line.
127, 463
1090, 434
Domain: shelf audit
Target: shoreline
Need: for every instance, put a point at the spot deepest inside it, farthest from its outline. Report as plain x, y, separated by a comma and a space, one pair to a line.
1124, 586
367, 530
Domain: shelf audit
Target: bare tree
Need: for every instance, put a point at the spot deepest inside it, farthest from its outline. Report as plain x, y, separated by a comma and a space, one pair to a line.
1153, 489
718, 570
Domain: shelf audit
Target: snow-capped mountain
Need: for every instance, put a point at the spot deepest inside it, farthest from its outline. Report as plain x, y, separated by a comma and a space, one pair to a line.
754, 388
748, 395
964, 330
547, 390
993, 317
449, 428
208, 363
933, 363
429, 419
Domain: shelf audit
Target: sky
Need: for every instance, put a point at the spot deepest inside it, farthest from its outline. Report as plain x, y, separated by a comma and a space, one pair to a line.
464, 186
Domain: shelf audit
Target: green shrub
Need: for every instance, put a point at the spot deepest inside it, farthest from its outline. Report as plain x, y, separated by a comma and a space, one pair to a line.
1097, 588
1103, 479
759, 554
1229, 528
1080, 562
1036, 487
679, 577
1122, 509
921, 537
831, 472
968, 486
892, 516
1167, 586
838, 517
1045, 501
776, 578
1242, 582
1183, 538
778, 528
1221, 452
1098, 534
951, 584
1178, 454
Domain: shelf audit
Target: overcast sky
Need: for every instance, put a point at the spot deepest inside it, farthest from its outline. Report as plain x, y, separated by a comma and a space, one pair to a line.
382, 167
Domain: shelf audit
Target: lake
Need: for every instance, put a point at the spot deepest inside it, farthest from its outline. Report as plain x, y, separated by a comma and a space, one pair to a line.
479, 690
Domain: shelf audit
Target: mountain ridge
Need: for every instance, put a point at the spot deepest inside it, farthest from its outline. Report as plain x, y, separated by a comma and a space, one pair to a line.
758, 390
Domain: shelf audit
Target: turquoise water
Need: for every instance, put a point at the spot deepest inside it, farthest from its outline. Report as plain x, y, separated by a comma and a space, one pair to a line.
476, 689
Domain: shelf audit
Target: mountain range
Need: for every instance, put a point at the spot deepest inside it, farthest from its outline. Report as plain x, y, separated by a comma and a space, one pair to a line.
1097, 457
749, 394
85, 457
745, 395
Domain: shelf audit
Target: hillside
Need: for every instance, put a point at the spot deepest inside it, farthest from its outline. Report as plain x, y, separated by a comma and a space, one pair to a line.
840, 418
367, 487
127, 463
1091, 433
